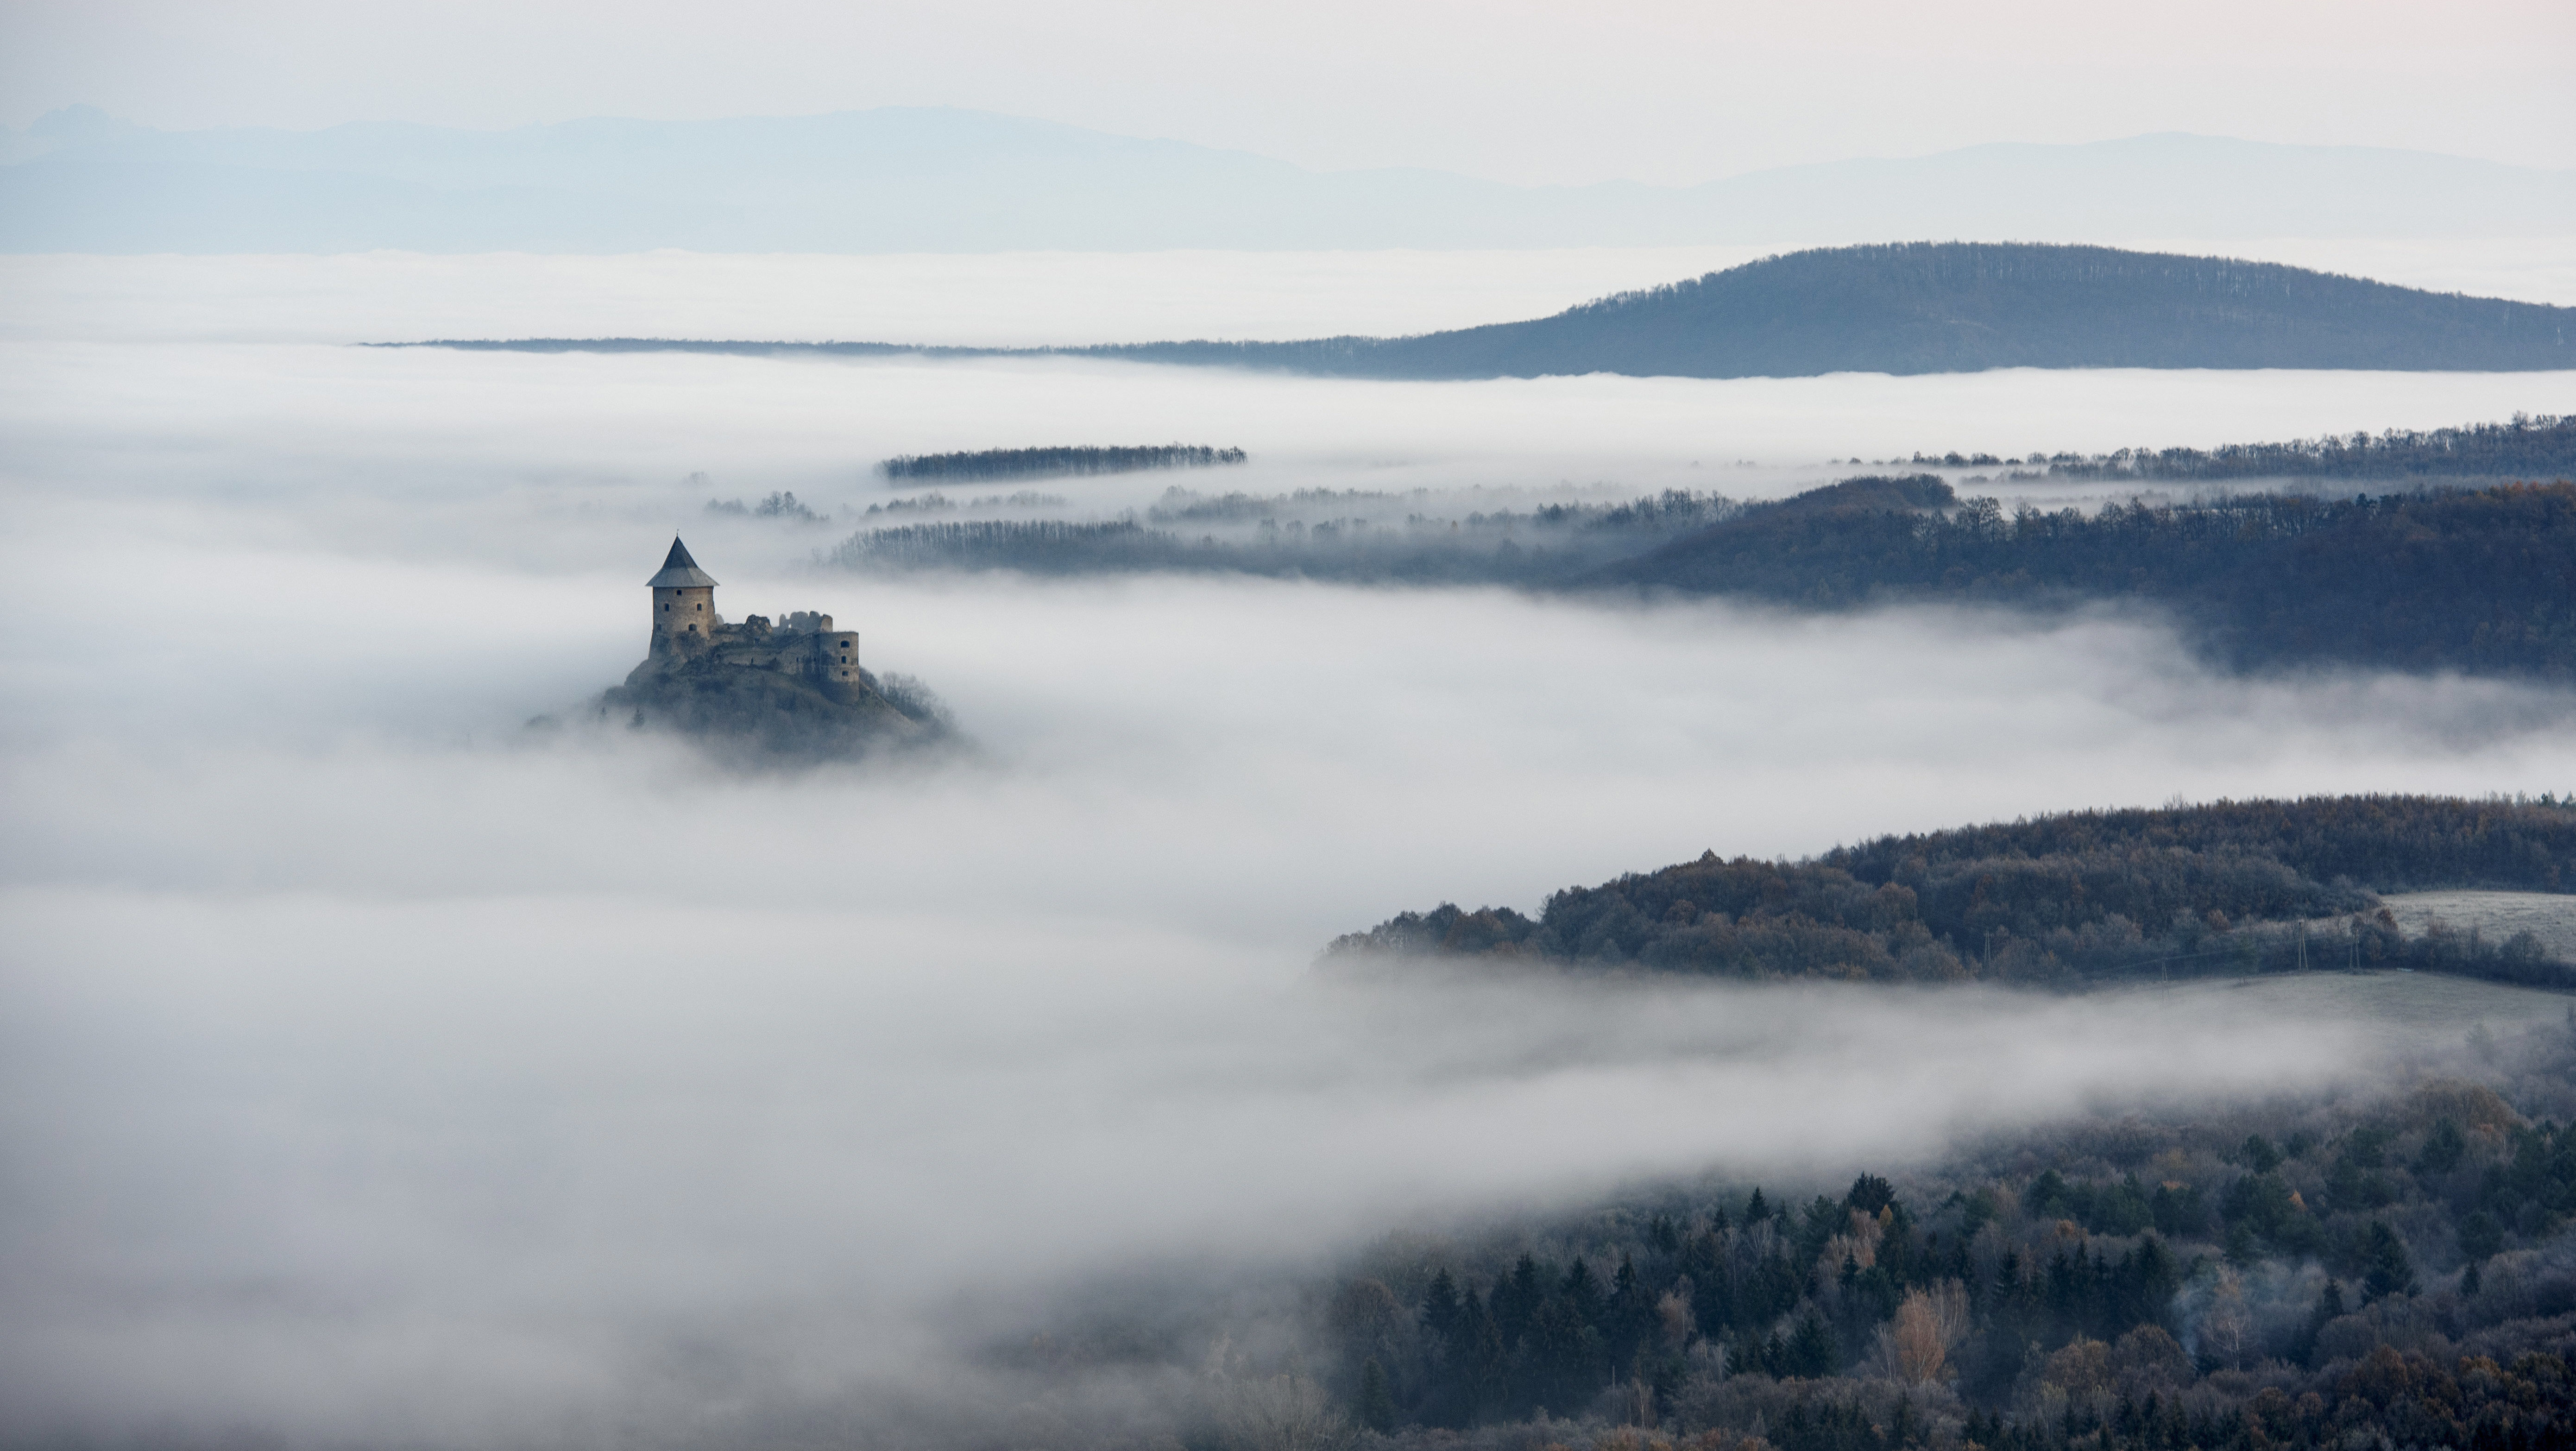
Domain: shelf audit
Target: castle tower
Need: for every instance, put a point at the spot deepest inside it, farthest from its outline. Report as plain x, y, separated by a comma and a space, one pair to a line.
837, 653
684, 604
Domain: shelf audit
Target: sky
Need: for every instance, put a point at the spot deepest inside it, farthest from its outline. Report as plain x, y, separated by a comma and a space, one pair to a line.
1667, 92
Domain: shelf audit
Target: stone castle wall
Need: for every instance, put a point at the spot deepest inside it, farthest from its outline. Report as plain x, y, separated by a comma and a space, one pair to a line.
825, 658
684, 618
837, 654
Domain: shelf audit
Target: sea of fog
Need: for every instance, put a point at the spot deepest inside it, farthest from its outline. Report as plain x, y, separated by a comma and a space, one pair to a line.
374, 1068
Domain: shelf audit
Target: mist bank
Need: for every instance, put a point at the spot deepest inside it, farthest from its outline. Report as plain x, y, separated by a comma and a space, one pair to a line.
1902, 308
2475, 580
2062, 900
462, 1171
903, 179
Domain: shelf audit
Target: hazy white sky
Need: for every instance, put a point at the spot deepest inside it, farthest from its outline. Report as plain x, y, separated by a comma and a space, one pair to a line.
1655, 90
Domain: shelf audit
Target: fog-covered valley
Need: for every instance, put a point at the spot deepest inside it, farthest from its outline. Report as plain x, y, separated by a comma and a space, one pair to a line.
382, 1070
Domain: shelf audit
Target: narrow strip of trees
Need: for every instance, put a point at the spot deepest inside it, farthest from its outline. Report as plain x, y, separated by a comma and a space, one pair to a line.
1017, 463
2526, 447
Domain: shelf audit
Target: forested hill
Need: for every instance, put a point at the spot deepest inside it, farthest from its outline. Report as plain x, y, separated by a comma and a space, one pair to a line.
2479, 580
2170, 892
1916, 307
1957, 307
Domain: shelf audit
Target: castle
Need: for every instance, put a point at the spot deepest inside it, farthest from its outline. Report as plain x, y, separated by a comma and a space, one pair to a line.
688, 632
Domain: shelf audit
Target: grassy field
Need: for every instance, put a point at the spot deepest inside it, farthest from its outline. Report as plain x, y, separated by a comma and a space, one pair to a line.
2388, 1011
2549, 916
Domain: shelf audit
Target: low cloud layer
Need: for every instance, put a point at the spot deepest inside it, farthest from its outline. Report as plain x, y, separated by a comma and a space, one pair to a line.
378, 1070
467, 1171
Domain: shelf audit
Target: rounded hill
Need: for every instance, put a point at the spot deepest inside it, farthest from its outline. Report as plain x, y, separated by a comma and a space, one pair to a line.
1949, 307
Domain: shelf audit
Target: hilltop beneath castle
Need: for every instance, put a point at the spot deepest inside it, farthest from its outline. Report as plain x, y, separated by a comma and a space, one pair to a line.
744, 708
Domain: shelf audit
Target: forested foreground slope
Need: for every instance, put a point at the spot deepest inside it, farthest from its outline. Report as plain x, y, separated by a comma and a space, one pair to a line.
2380, 1272
2474, 580
2094, 895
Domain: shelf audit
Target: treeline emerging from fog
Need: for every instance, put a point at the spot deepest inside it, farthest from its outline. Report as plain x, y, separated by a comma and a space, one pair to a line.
1017, 463
2232, 888
1036, 546
1273, 536
2473, 579
2480, 580
2525, 448
2283, 1278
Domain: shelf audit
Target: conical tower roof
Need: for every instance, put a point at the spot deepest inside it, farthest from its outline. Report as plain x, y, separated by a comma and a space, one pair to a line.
680, 571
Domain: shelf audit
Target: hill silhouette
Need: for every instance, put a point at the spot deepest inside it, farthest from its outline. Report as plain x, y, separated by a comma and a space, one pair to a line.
1957, 307
1908, 307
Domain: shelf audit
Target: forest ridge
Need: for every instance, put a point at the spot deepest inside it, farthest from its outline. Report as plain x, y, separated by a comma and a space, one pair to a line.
2477, 580
2175, 892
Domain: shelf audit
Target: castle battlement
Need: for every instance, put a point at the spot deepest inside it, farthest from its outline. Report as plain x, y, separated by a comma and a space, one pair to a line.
689, 633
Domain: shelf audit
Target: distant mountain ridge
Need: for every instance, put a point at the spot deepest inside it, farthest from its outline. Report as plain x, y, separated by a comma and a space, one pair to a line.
928, 180
1959, 307
1911, 307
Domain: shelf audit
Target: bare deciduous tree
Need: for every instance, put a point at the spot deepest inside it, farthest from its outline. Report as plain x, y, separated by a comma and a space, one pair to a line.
1915, 1345
1282, 1413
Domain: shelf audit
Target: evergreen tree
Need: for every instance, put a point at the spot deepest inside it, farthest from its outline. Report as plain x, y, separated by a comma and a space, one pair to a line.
1377, 1401
1628, 1321
2480, 1235
2391, 1270
1561, 1358
2330, 1307
1440, 1308
1811, 1352
1870, 1194
1516, 1299
1582, 1293
1661, 1235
